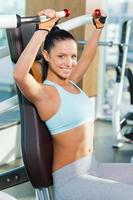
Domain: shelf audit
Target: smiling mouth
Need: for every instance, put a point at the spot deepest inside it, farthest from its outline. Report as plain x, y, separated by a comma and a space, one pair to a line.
66, 70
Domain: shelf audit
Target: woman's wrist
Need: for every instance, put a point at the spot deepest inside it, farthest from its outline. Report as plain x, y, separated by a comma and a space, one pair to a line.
43, 29
41, 34
98, 30
38, 28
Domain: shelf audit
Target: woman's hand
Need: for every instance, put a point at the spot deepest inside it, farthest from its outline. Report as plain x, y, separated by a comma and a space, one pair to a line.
53, 18
100, 20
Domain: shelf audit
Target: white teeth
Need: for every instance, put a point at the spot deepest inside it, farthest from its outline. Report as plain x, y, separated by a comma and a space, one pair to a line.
66, 70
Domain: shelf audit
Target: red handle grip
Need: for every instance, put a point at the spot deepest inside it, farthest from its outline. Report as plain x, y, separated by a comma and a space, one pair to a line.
97, 13
67, 12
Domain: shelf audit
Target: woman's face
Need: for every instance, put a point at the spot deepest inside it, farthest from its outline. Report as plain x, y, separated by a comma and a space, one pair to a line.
62, 58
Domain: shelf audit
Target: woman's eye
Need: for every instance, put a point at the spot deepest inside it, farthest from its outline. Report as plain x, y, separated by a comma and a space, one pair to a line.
61, 56
74, 57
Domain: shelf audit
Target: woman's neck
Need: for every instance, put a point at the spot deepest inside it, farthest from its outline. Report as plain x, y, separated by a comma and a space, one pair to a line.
57, 80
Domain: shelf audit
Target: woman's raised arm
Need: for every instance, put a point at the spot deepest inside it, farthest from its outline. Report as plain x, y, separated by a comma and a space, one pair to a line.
25, 81
89, 51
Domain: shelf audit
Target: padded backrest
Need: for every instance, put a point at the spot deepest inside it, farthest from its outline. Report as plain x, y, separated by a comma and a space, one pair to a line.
37, 147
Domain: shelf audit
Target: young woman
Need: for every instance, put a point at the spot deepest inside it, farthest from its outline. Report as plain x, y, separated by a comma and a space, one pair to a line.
66, 110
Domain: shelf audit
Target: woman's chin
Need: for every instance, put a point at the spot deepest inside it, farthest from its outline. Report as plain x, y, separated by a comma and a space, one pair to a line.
64, 76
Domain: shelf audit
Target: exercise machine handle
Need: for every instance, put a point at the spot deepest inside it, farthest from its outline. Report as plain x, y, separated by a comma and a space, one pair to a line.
13, 21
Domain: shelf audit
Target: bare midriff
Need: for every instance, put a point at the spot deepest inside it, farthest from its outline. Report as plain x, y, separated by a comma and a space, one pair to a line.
72, 145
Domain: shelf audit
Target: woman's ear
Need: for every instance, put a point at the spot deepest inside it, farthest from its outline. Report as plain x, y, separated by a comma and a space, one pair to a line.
45, 55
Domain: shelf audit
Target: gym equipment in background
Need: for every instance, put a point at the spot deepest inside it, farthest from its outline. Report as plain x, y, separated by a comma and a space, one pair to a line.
36, 141
122, 125
119, 121
14, 21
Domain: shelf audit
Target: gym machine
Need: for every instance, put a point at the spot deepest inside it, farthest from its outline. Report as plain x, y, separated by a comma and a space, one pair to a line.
122, 125
35, 137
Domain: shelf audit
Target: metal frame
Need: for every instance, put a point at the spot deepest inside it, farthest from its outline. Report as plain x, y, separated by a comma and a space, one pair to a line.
116, 114
46, 193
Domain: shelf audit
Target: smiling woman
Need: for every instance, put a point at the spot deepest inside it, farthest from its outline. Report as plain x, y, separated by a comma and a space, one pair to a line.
62, 58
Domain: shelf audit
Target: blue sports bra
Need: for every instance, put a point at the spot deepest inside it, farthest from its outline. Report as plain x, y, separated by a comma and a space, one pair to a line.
74, 110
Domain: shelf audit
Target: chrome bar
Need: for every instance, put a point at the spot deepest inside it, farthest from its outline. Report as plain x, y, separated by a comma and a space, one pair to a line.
4, 51
8, 104
107, 43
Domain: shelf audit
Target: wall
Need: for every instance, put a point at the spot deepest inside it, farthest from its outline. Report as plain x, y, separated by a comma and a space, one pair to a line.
76, 8
90, 80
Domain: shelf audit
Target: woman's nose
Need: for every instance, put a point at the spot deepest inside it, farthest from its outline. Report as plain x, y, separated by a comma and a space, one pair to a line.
69, 62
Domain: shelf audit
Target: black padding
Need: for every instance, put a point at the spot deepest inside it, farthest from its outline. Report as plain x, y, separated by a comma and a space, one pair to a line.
14, 36
37, 147
18, 39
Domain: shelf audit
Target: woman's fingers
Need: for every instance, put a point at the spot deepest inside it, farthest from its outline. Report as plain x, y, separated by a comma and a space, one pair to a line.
47, 12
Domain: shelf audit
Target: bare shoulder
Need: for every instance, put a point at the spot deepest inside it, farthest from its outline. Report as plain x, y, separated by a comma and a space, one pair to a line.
49, 102
31, 84
50, 92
